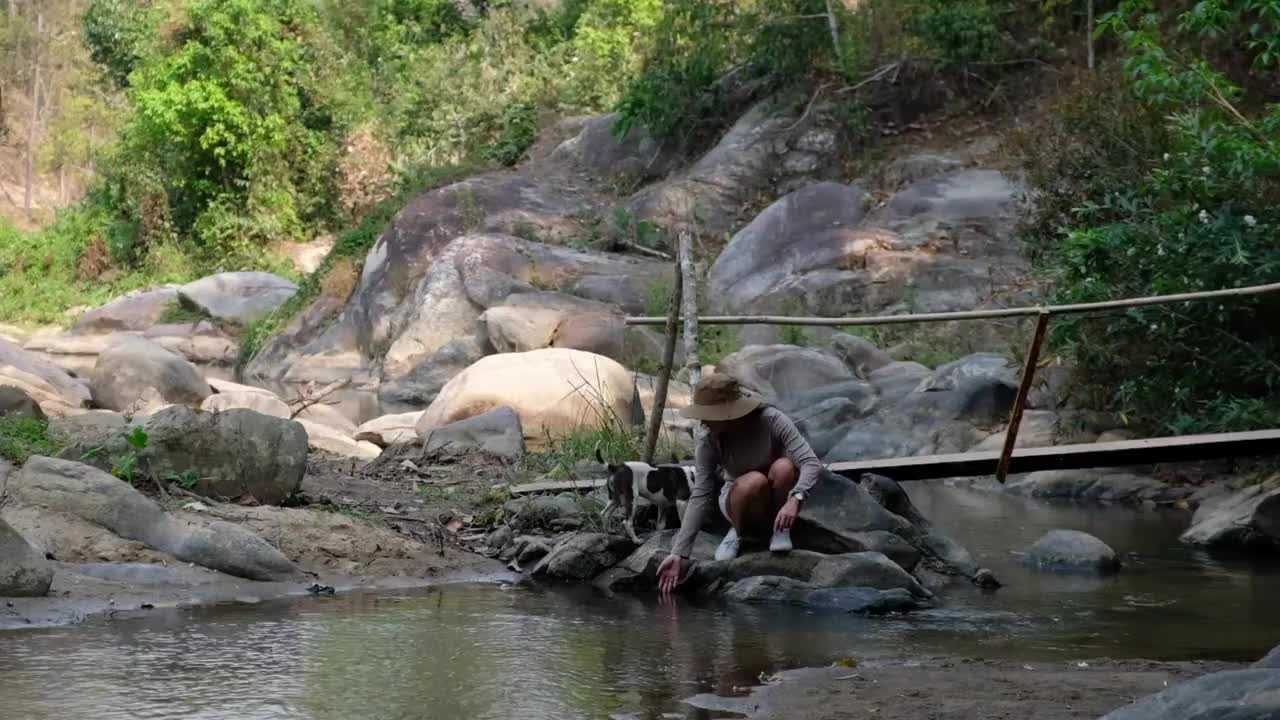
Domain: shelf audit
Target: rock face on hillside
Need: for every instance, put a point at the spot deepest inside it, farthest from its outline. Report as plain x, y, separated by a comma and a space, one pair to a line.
138, 375
238, 297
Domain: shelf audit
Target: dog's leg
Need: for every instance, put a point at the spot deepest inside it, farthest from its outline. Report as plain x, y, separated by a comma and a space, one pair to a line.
661, 523
681, 506
631, 524
604, 515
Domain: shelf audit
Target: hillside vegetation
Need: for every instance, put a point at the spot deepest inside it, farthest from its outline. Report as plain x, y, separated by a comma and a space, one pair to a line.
219, 129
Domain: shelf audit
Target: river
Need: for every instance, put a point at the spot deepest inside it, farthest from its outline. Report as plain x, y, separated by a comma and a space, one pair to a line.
483, 651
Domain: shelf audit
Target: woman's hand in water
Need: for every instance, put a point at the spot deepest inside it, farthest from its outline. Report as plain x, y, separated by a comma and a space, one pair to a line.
787, 515
671, 573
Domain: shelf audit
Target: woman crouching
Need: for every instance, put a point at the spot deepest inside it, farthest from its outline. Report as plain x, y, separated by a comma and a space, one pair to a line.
767, 467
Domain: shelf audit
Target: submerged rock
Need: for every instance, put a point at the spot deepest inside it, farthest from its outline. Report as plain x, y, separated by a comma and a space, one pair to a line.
24, 572
1072, 551
858, 600
1104, 485
1232, 695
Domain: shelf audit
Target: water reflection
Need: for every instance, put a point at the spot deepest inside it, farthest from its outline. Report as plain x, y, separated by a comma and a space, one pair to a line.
483, 652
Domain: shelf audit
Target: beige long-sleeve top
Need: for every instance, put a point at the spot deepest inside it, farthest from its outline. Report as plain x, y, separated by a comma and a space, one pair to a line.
759, 440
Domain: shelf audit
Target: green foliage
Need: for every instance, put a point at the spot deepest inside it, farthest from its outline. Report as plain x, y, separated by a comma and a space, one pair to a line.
961, 31
715, 342
1185, 203
119, 34
517, 129
21, 437
126, 467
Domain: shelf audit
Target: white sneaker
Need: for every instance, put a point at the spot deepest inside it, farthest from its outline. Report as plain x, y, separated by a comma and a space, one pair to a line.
728, 549
780, 542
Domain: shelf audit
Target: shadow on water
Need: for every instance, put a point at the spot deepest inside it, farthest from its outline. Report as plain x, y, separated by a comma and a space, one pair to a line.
478, 652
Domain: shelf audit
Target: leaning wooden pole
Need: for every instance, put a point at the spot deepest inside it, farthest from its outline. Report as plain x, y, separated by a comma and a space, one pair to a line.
1024, 389
664, 375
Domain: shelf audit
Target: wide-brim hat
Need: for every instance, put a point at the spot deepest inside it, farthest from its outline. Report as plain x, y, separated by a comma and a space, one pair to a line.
719, 398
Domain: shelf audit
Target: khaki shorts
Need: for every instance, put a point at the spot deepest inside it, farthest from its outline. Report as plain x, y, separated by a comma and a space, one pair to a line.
724, 501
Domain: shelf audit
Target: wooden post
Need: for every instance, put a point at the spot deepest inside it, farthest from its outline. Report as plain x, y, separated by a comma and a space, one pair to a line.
1028, 375
691, 362
664, 375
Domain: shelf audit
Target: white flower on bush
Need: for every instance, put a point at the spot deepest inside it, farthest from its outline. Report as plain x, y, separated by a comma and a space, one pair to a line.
1205, 169
1204, 217
1251, 221
1166, 157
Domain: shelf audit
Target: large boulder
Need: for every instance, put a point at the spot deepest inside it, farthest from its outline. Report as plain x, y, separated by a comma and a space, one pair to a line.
424, 381
16, 403
134, 311
779, 373
803, 249
582, 556
388, 430
334, 441
768, 143
1248, 519
95, 496
978, 365
595, 149
495, 433
233, 454
1072, 551
565, 509
261, 402
57, 391
640, 569
1232, 695
238, 297
531, 321
554, 392
136, 374
23, 571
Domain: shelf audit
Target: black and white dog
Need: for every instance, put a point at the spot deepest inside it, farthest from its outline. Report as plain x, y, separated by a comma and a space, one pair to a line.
665, 486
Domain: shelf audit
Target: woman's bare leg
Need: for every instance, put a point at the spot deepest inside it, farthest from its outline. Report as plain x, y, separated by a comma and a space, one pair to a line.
782, 479
751, 508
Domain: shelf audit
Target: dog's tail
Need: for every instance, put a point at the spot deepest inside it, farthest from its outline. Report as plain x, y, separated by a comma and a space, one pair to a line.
599, 455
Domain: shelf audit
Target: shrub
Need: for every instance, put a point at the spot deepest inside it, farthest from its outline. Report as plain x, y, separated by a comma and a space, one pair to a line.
20, 438
1187, 203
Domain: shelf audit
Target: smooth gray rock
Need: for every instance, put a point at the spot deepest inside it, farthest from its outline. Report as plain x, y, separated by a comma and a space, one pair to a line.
859, 354
535, 320
46, 383
424, 382
640, 569
542, 510
779, 373
95, 496
582, 556
136, 374
134, 311
1103, 485
914, 168
497, 433
941, 553
238, 297
235, 453
598, 151
861, 569
860, 393
978, 365
897, 380
16, 403
1248, 519
825, 424
868, 441
1072, 551
24, 572
1271, 661
1232, 695
767, 589
803, 245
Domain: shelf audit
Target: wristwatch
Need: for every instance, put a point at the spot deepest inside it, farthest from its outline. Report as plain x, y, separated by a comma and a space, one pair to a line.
798, 495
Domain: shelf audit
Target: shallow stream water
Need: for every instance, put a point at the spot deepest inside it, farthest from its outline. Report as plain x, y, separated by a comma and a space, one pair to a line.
481, 651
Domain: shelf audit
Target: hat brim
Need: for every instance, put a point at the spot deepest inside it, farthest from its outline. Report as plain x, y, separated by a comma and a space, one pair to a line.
723, 412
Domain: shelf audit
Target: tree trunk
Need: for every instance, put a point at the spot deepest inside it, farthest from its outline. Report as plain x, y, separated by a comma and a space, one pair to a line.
35, 112
664, 377
691, 362
13, 8
835, 31
1089, 30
